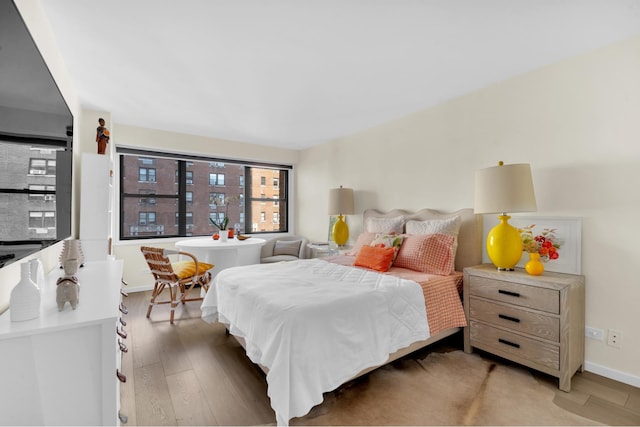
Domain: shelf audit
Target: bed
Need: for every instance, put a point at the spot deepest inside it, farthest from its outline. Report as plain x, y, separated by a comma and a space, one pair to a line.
315, 324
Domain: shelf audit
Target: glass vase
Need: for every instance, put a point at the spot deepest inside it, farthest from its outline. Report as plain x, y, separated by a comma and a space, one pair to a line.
534, 266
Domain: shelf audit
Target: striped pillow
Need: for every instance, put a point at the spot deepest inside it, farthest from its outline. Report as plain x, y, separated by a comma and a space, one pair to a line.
431, 253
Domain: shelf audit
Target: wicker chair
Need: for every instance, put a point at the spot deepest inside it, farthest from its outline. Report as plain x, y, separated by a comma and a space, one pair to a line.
180, 277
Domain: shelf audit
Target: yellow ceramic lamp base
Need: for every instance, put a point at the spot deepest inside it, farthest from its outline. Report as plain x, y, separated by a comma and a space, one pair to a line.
504, 244
340, 231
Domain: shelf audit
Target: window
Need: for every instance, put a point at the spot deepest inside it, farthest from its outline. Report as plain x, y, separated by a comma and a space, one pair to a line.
42, 167
216, 199
263, 180
180, 209
46, 195
146, 175
40, 219
145, 198
275, 182
146, 218
216, 179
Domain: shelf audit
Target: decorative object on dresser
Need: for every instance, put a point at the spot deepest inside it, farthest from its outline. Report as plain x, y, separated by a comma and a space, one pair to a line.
537, 321
341, 203
37, 272
71, 249
24, 303
501, 189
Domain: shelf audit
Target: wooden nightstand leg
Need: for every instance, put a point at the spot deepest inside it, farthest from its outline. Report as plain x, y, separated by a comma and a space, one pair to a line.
564, 383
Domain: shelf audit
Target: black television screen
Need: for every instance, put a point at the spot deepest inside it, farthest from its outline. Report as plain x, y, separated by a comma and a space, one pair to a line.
36, 137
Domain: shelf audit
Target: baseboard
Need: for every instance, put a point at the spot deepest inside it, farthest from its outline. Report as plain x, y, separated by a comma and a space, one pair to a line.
613, 374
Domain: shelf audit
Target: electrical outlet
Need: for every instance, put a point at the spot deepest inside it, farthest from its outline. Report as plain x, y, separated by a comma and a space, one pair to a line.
614, 338
594, 333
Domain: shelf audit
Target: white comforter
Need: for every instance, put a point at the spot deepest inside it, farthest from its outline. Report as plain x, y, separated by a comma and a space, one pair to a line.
315, 324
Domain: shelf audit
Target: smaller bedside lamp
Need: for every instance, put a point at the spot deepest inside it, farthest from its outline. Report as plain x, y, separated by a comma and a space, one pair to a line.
501, 189
340, 203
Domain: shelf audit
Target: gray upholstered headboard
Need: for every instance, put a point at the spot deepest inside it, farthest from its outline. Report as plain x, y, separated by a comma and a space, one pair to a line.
469, 237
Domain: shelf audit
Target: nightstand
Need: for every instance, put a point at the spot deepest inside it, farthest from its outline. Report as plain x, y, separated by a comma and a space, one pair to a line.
537, 321
321, 250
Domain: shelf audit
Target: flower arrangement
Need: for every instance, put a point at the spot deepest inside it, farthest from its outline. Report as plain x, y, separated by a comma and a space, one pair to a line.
222, 225
546, 243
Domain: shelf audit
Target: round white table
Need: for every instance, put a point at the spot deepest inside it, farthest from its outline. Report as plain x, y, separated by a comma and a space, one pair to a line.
223, 255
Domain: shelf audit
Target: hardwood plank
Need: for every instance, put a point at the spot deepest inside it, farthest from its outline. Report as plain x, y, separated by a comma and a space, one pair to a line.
224, 396
605, 411
153, 402
127, 390
189, 402
172, 352
600, 390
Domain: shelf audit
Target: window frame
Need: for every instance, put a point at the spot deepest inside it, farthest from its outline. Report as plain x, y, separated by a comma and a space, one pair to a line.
183, 161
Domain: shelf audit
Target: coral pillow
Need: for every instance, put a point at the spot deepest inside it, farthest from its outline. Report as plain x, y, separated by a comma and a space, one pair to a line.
375, 258
431, 253
185, 269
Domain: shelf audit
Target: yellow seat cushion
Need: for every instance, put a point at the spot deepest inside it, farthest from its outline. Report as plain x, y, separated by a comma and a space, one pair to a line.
186, 269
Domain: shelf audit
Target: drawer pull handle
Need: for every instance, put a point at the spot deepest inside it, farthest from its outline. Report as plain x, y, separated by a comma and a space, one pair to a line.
123, 346
123, 309
511, 294
512, 344
124, 283
123, 293
121, 376
511, 319
121, 332
122, 321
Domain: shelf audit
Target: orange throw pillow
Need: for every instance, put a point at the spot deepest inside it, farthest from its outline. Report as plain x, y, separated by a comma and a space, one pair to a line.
375, 258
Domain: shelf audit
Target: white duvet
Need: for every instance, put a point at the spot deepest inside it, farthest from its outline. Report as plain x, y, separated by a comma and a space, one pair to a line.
315, 324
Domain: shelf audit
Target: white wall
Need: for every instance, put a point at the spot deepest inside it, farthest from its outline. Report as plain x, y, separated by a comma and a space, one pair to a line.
576, 123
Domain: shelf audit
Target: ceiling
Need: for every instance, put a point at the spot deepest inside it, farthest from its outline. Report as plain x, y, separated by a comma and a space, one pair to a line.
294, 73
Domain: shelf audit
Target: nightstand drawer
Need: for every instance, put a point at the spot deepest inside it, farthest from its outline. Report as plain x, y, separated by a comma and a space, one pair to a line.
514, 293
507, 344
537, 324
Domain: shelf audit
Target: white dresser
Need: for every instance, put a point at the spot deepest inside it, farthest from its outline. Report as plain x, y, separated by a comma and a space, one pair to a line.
60, 369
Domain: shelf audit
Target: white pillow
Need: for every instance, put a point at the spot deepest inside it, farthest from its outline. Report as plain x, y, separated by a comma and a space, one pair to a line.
385, 225
448, 226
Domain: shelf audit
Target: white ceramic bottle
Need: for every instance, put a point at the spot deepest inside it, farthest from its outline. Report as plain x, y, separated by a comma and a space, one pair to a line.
24, 303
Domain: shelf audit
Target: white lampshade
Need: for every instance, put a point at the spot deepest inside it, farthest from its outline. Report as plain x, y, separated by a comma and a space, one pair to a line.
341, 201
504, 188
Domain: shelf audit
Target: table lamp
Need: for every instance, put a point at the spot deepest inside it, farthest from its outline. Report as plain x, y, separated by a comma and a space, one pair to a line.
340, 203
501, 189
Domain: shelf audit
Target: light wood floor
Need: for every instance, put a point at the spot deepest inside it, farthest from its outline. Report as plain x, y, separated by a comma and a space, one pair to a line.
192, 373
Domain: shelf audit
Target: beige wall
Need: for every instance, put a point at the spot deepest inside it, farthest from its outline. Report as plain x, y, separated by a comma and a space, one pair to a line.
576, 122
